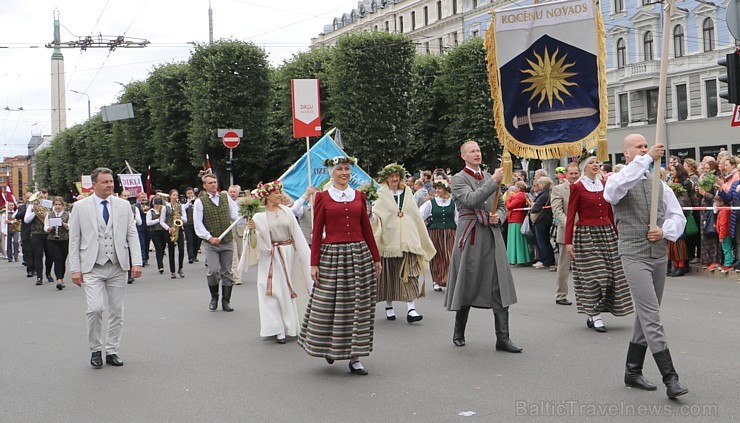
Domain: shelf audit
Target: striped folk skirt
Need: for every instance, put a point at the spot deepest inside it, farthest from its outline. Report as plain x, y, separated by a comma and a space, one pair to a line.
677, 250
443, 240
517, 247
399, 280
598, 278
340, 316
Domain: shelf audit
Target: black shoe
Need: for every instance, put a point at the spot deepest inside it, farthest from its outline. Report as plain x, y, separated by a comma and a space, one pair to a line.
60, 285
29, 274
181, 273
49, 279
670, 377
190, 261
601, 328
173, 276
213, 305
113, 360
412, 319
96, 360
387, 316
161, 271
633, 377
563, 301
461, 320
501, 324
361, 371
589, 323
39, 281
226, 299
282, 340
329, 360
130, 281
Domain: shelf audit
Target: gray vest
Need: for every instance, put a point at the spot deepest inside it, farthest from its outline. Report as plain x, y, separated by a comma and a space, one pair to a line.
106, 248
632, 215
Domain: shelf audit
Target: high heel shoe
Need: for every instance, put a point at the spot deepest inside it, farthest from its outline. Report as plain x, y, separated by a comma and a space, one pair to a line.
181, 273
358, 371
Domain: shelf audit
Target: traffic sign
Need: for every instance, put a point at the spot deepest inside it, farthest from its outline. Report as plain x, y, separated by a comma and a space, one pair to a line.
231, 139
735, 117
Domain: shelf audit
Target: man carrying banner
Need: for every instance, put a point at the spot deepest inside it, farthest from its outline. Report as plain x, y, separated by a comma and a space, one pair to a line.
644, 257
212, 215
480, 275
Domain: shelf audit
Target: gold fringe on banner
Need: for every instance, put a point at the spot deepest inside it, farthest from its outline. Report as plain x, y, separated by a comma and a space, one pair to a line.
508, 165
553, 151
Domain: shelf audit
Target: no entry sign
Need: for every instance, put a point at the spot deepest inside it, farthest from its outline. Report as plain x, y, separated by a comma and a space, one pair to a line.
230, 139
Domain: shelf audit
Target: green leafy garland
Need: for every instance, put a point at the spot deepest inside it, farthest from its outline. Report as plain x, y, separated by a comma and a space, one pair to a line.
390, 170
676, 187
707, 181
370, 191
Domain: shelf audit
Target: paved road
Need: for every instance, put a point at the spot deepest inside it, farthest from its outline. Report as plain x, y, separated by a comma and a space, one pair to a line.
186, 364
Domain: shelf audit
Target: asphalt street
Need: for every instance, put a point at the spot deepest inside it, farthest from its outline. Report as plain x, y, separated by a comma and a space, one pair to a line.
184, 363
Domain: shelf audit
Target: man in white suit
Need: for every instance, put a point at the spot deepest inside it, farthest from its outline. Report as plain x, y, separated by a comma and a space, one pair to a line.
102, 238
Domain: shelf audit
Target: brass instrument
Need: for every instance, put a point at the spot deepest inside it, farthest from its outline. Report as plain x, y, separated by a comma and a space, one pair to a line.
39, 211
176, 222
15, 224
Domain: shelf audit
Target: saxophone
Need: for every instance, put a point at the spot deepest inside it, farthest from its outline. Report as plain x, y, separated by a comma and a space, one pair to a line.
176, 222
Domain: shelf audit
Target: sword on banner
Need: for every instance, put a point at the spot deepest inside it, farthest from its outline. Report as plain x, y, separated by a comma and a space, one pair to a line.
529, 119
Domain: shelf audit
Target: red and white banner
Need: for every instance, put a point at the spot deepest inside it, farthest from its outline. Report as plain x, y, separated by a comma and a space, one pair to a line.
306, 110
86, 184
131, 182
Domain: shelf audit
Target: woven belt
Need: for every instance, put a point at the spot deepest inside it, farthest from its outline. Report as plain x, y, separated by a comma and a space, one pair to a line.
275, 246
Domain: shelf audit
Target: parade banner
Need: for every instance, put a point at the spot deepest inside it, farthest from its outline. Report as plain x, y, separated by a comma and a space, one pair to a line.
131, 183
86, 185
547, 71
295, 179
306, 108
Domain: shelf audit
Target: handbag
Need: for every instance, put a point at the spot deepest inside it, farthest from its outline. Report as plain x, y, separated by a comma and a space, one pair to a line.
527, 228
691, 228
709, 228
534, 216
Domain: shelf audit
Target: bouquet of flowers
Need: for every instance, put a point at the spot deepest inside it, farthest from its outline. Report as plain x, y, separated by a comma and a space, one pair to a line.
676, 187
248, 208
707, 181
371, 195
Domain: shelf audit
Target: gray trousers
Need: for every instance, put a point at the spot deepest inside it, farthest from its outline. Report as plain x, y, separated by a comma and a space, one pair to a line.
646, 278
563, 272
218, 260
108, 279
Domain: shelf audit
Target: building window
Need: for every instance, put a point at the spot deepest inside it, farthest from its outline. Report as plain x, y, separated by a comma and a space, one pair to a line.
375, 28
678, 41
618, 6
711, 95
624, 110
652, 105
647, 2
454, 39
426, 47
439, 10
682, 102
441, 46
400, 24
454, 7
20, 181
708, 31
387, 27
413, 21
475, 4
474, 33
647, 45
426, 15
621, 53
373, 6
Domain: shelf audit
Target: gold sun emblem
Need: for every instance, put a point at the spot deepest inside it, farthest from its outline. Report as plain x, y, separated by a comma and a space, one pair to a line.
549, 77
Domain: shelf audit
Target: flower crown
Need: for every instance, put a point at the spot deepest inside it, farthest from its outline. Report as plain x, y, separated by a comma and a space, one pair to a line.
584, 155
442, 183
268, 188
336, 161
560, 169
390, 170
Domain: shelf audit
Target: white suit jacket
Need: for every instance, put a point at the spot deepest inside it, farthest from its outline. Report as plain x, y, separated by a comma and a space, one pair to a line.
83, 234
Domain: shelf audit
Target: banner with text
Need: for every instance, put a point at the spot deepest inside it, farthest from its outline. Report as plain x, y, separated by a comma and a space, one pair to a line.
306, 108
131, 182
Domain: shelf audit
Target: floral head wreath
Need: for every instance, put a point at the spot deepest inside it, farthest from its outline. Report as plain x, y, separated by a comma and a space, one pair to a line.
442, 183
390, 170
585, 154
270, 187
336, 161
560, 169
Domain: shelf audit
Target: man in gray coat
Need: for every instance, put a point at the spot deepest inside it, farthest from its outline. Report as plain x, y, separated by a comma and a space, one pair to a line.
475, 280
559, 196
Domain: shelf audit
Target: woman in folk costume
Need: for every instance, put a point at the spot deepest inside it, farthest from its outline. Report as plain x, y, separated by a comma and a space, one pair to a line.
591, 241
58, 240
284, 277
403, 241
345, 264
443, 212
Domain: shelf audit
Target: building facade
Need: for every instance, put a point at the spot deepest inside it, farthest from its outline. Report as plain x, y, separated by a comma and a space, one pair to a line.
434, 25
21, 175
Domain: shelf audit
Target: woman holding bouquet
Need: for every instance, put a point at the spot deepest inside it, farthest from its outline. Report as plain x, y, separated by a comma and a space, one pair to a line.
442, 229
283, 278
403, 241
345, 264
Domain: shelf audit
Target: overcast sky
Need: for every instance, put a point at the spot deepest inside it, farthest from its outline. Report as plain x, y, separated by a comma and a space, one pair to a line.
280, 27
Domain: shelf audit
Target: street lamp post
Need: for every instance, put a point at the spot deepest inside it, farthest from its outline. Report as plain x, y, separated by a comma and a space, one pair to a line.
88, 102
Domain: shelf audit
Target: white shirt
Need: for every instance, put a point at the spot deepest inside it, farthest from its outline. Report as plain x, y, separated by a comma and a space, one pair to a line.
426, 208
300, 207
47, 221
341, 196
199, 227
163, 217
99, 203
619, 183
150, 221
592, 185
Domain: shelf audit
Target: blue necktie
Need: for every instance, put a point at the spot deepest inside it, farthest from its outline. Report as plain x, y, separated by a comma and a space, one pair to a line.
106, 215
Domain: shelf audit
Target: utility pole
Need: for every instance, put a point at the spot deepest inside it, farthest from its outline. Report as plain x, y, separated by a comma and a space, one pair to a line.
210, 23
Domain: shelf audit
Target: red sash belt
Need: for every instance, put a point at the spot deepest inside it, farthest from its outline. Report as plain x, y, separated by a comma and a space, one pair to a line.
472, 216
276, 246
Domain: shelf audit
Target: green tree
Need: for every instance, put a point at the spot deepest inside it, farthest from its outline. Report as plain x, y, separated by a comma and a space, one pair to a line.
464, 84
369, 84
133, 140
229, 87
170, 117
427, 147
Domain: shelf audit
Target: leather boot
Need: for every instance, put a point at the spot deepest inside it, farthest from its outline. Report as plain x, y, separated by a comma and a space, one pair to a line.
213, 305
226, 291
670, 377
633, 369
461, 319
501, 323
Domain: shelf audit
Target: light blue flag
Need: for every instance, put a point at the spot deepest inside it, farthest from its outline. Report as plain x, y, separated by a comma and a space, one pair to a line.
295, 179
